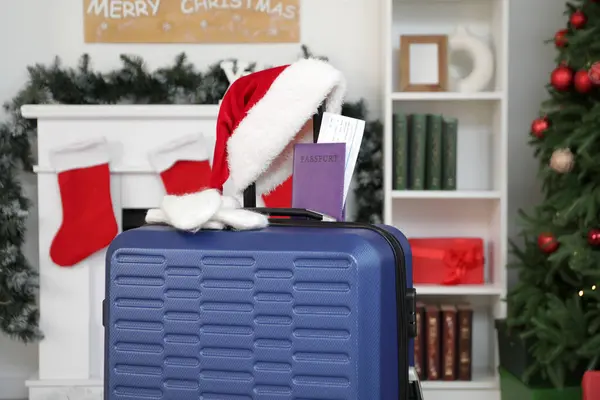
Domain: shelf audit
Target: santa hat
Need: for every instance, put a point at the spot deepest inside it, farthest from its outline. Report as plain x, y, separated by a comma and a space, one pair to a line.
263, 115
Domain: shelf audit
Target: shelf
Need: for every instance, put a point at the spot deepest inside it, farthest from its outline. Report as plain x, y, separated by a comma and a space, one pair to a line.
470, 394
446, 194
458, 290
427, 17
481, 181
421, 219
446, 96
479, 144
481, 380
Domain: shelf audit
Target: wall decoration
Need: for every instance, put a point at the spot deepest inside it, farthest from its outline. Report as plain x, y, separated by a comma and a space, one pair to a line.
423, 63
191, 21
131, 83
481, 56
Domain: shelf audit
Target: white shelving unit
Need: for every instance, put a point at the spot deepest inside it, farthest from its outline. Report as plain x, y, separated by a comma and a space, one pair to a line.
478, 206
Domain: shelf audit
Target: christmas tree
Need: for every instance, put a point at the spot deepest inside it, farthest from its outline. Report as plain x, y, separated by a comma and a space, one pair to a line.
556, 304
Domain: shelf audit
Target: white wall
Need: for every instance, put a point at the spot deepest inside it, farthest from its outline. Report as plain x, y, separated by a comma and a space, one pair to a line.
530, 65
24, 40
33, 31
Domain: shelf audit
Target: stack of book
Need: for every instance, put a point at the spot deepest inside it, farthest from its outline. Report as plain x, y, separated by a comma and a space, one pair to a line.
424, 152
444, 341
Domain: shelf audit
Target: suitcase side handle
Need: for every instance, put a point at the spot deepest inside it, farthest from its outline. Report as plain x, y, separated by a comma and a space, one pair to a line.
289, 212
250, 191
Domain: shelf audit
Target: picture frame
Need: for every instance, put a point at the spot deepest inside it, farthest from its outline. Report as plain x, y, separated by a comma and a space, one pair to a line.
423, 63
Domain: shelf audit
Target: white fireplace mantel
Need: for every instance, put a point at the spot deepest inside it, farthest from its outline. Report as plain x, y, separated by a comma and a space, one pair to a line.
141, 111
71, 355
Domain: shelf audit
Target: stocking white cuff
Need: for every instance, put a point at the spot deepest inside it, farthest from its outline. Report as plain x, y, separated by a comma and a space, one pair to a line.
80, 154
186, 148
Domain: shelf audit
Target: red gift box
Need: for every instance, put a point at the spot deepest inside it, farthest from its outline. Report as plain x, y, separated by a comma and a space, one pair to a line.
448, 261
591, 385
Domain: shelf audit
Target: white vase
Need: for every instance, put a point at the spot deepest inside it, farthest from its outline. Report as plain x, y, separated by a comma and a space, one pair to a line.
481, 56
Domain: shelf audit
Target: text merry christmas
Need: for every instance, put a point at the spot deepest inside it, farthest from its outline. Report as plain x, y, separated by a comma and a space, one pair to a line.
120, 9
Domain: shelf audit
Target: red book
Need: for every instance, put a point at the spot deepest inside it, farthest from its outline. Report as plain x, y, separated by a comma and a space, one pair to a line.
449, 342
465, 341
420, 342
432, 348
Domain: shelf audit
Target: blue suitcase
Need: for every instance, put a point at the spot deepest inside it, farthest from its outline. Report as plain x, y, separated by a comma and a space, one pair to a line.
303, 309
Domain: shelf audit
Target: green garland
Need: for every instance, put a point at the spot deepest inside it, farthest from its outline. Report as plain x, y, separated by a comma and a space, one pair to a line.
132, 83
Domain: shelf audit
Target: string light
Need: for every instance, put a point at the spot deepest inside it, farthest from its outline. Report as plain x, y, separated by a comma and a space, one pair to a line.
580, 293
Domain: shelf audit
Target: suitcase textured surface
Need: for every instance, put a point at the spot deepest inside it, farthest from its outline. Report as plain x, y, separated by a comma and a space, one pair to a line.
280, 313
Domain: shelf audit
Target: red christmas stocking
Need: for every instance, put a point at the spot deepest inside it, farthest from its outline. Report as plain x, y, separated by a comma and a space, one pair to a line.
280, 197
89, 222
183, 165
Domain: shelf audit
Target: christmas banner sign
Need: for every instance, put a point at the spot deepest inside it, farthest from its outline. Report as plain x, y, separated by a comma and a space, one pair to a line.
192, 21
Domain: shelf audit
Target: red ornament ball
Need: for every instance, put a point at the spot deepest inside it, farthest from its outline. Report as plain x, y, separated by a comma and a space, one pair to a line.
539, 127
560, 38
547, 243
594, 237
582, 82
561, 78
578, 19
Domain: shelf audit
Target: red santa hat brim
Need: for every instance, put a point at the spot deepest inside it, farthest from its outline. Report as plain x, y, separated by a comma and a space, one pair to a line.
260, 150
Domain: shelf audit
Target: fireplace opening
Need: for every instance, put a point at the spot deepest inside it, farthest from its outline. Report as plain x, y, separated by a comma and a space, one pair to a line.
133, 218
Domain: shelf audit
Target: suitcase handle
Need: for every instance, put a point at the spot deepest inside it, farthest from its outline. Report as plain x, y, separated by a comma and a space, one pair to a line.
250, 191
288, 212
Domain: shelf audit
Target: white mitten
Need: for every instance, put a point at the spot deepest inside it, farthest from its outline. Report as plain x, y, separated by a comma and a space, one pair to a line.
156, 216
231, 214
190, 212
214, 226
205, 210
241, 219
227, 203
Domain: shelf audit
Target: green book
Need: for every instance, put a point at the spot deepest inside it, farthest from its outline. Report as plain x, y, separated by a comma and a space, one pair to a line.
433, 156
417, 143
449, 145
400, 151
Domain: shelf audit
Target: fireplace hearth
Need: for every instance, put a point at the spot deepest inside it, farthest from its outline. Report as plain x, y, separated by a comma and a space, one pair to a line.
133, 218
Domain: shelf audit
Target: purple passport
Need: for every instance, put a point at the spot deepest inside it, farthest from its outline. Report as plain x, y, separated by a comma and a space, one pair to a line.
318, 178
